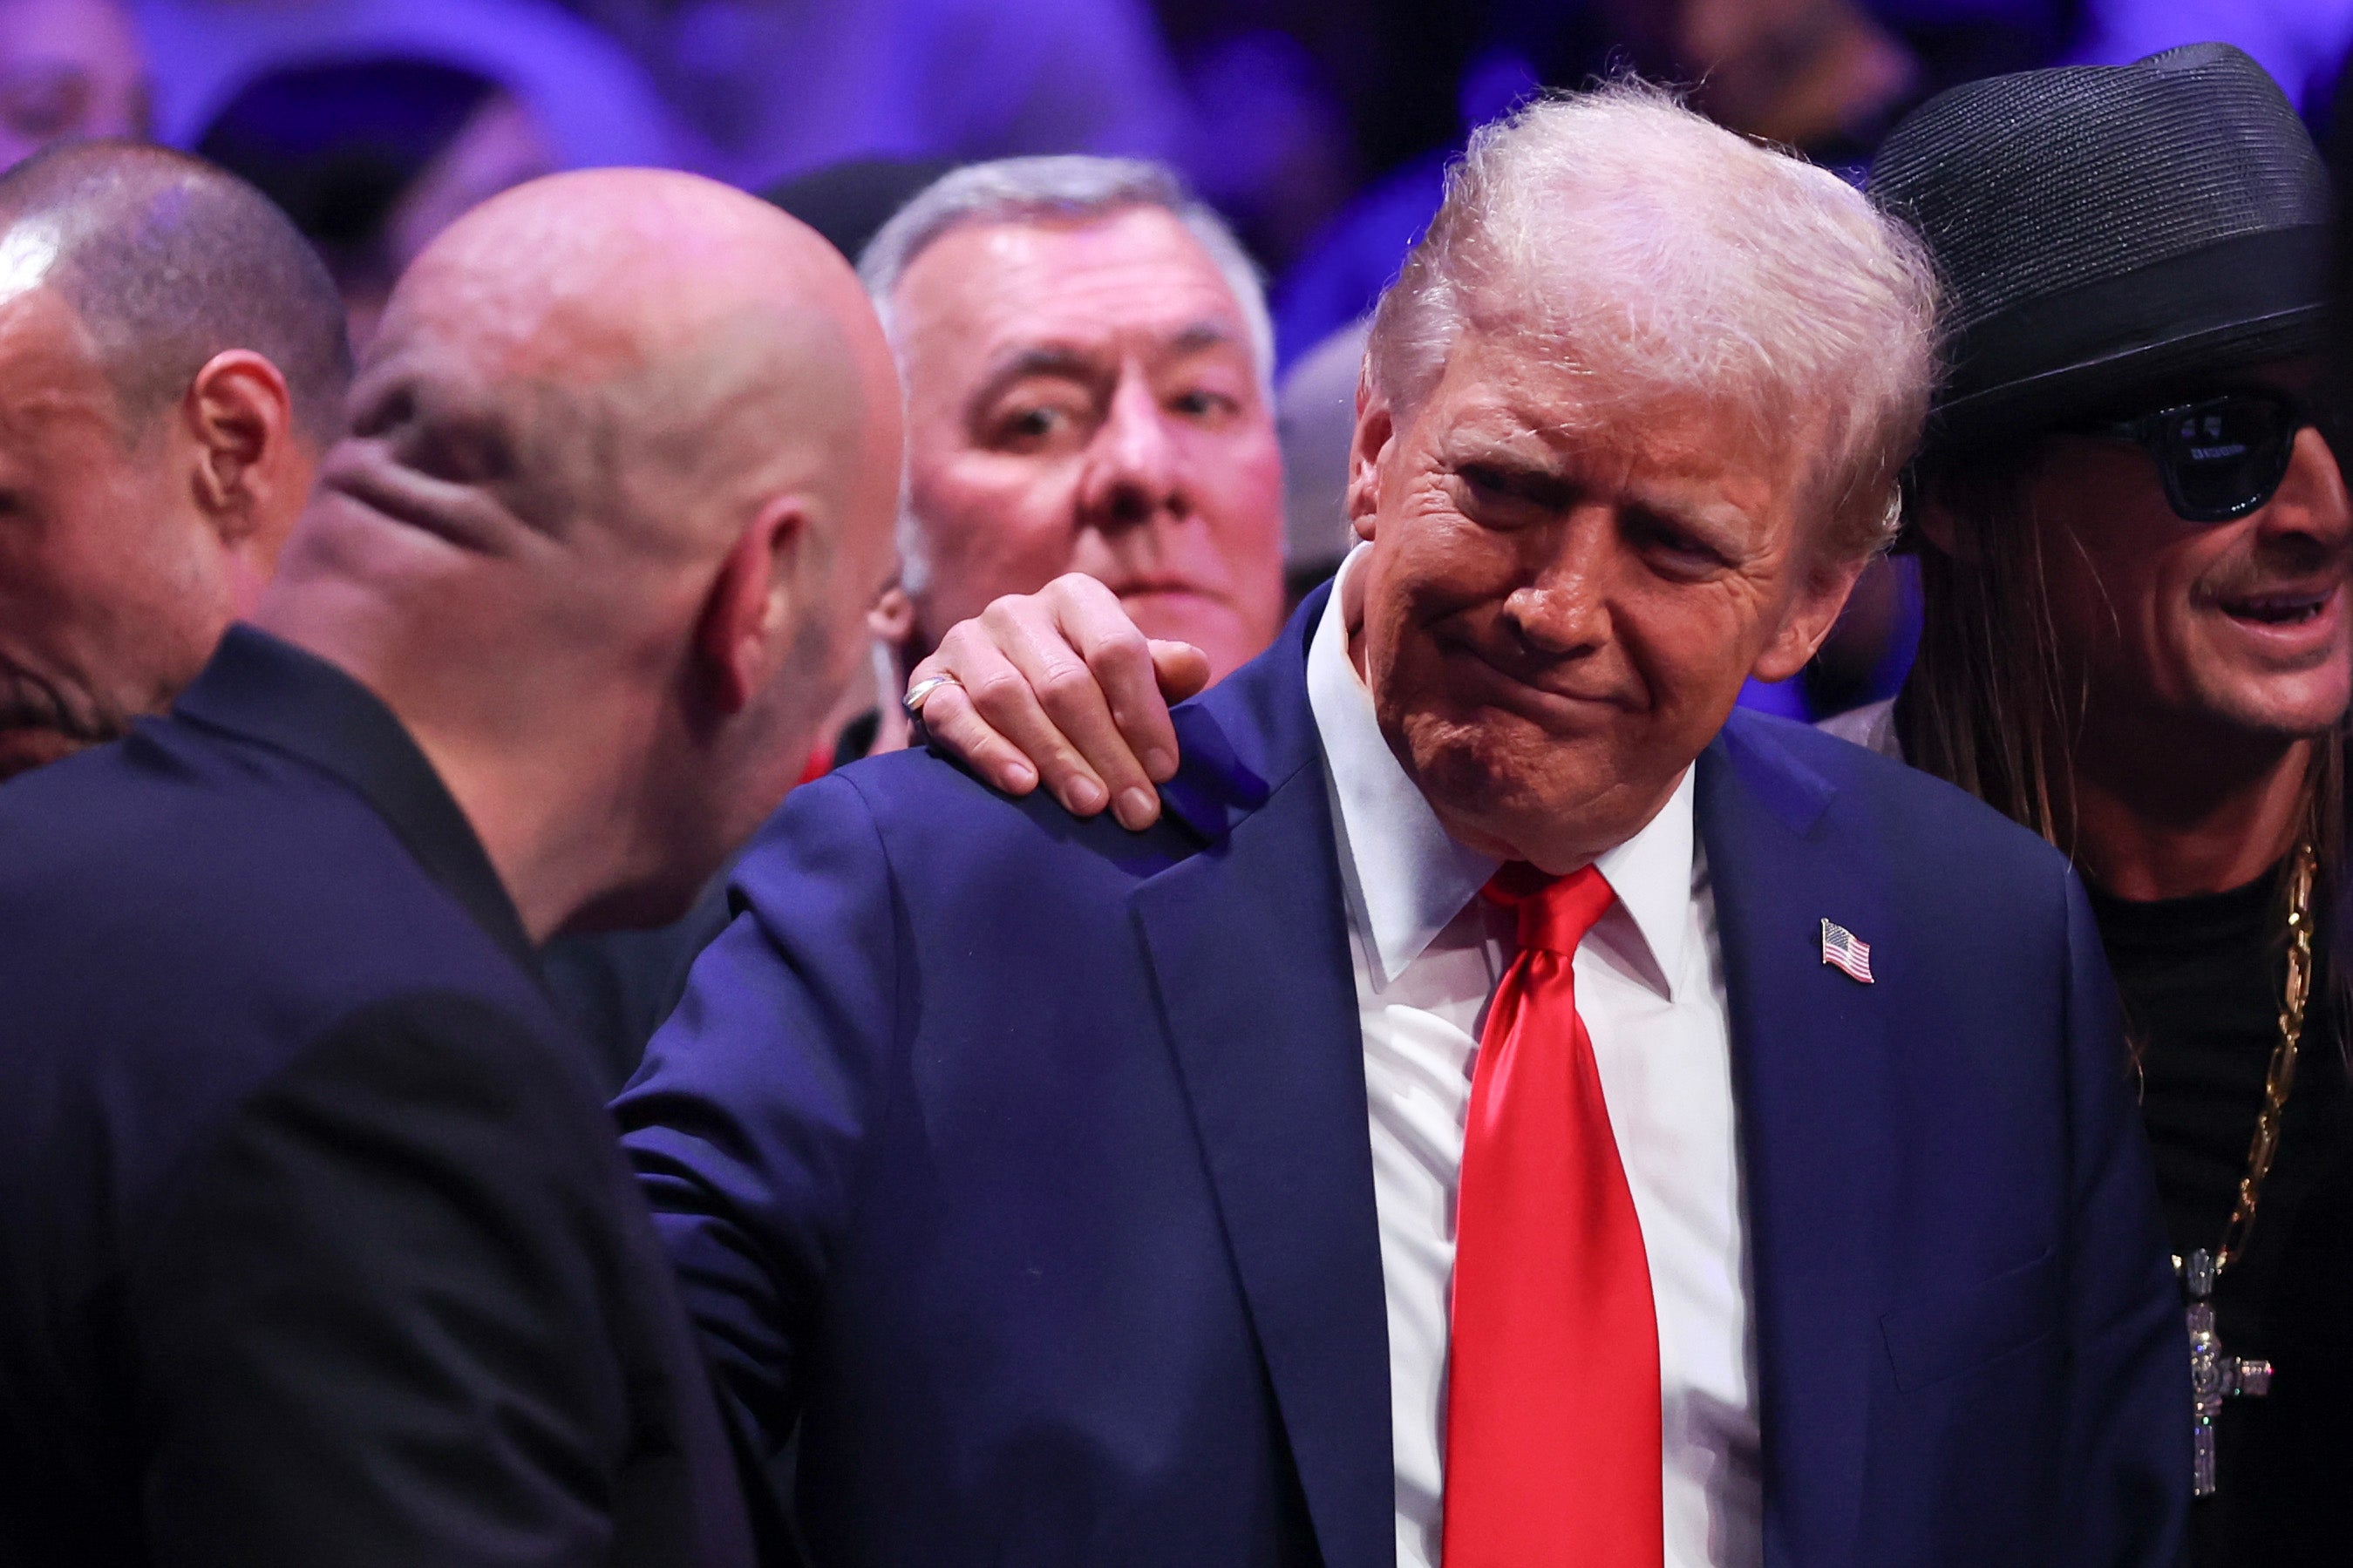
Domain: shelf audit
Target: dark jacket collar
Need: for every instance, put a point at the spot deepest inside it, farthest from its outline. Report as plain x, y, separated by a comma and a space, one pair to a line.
262, 689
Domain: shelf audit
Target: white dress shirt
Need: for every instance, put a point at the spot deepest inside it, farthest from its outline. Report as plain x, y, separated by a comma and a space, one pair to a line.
1650, 986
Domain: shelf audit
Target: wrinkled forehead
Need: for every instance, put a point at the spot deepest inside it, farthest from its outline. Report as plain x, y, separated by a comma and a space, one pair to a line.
1134, 282
1527, 397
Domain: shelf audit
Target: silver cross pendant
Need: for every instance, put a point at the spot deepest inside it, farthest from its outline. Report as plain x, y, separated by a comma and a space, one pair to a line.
2213, 1376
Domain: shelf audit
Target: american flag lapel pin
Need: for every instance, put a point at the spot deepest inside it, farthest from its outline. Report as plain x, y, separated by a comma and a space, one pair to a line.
1843, 948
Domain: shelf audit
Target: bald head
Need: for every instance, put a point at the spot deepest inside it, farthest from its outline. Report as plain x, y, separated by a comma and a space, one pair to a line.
598, 347
619, 486
169, 261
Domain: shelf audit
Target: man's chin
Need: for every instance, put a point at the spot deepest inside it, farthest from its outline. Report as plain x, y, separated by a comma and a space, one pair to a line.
2288, 708
24, 748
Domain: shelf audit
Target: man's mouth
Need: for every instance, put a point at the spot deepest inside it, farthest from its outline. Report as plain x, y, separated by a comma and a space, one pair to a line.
1158, 587
1548, 701
2278, 607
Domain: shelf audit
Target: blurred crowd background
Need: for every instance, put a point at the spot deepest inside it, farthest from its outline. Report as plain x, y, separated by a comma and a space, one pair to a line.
1321, 127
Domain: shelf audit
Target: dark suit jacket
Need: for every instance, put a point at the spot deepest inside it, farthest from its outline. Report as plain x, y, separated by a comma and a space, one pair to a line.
1025, 1162
315, 1246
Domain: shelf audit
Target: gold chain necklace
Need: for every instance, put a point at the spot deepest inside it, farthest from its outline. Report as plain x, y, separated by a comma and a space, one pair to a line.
2280, 1077
2215, 1376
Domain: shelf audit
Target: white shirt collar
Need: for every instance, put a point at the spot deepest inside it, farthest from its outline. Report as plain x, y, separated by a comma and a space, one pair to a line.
1406, 880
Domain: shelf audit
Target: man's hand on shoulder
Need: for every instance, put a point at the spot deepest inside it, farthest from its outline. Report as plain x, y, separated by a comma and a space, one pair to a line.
1061, 686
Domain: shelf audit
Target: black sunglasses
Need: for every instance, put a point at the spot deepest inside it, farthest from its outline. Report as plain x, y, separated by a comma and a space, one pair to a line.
2221, 456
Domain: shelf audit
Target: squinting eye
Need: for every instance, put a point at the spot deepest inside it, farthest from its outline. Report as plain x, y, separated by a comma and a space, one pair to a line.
1032, 424
1196, 404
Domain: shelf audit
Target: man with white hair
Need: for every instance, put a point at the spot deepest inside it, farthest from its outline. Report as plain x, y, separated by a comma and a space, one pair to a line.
1511, 1110
1087, 357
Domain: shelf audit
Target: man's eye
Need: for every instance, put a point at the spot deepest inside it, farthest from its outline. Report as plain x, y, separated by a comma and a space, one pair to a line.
1674, 547
1028, 427
1201, 403
1484, 481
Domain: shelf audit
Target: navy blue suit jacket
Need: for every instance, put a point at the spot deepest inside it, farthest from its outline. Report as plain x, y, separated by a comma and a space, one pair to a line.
315, 1245
1024, 1162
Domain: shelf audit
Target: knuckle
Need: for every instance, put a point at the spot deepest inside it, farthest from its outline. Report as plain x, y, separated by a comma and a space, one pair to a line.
1066, 685
950, 656
1121, 652
998, 691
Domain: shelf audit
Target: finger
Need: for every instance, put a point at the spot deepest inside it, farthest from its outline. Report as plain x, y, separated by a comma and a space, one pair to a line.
999, 695
1183, 669
954, 724
1029, 633
1121, 659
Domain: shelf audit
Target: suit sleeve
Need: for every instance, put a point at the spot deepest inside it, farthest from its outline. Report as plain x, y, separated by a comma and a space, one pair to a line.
377, 1324
747, 1124
2129, 1404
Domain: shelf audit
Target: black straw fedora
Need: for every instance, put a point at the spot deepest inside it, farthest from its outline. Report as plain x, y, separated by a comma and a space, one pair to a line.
2106, 231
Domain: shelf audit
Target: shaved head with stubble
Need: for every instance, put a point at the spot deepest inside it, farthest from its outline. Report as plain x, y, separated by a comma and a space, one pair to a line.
620, 486
172, 364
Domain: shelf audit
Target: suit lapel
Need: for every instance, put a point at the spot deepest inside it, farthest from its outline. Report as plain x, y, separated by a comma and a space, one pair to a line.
1809, 1048
1249, 949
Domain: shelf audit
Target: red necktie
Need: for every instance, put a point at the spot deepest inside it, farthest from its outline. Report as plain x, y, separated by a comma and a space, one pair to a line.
1552, 1398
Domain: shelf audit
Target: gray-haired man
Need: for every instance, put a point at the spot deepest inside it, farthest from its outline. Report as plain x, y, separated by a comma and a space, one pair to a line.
1086, 354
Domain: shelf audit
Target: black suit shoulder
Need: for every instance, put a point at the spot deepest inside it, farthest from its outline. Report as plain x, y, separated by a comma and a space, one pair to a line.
315, 1245
361, 1306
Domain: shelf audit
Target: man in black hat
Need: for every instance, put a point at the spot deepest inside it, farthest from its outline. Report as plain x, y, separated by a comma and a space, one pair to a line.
2136, 546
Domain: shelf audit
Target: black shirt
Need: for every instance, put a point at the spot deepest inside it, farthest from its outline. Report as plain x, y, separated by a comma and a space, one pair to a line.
2201, 979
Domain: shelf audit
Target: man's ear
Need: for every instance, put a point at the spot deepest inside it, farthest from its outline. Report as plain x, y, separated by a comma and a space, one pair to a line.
891, 619
250, 474
1941, 528
746, 629
1808, 620
1375, 427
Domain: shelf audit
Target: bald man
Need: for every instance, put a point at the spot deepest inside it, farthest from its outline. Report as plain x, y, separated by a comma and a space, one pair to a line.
70, 70
172, 366
315, 1247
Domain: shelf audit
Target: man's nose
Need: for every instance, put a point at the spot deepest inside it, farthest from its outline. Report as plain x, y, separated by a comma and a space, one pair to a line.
1131, 474
2311, 500
1562, 610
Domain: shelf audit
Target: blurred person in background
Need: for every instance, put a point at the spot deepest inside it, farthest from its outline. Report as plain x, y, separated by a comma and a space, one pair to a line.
1088, 361
172, 366
315, 1246
2303, 44
372, 159
594, 105
777, 87
851, 201
70, 70
375, 123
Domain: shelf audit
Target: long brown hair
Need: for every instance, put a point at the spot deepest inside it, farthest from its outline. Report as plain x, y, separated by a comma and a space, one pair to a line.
1989, 706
